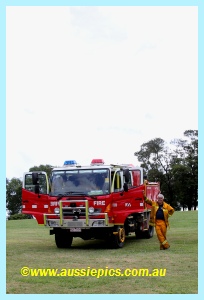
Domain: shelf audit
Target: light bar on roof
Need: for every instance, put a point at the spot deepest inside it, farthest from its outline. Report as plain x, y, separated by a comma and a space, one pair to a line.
70, 163
97, 161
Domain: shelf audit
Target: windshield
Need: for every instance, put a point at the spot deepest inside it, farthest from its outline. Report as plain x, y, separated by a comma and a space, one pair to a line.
86, 182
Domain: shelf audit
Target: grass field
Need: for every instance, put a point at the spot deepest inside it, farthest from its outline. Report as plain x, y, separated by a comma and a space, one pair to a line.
31, 245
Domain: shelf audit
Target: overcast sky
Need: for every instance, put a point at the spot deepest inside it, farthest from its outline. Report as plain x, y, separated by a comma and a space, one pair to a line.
97, 82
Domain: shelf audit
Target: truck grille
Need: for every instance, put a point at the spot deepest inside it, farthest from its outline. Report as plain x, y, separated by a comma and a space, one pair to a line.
74, 211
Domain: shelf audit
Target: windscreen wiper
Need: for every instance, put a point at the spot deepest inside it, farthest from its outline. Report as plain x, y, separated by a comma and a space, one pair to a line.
60, 196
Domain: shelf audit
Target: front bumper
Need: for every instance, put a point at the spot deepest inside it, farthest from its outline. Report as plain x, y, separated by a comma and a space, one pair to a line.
87, 220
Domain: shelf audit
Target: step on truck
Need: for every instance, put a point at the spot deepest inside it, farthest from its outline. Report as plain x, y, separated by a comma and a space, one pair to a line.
96, 201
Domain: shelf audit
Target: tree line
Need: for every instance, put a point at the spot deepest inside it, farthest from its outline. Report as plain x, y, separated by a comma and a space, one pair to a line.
175, 166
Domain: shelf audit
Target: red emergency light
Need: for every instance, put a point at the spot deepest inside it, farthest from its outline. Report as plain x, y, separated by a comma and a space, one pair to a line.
97, 161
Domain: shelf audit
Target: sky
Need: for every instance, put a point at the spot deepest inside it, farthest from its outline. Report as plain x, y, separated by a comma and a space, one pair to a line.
86, 82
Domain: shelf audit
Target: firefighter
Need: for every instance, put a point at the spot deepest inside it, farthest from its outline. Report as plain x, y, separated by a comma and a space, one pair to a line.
159, 215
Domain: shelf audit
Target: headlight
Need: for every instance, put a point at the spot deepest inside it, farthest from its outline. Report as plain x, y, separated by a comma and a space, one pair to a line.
91, 210
99, 223
56, 210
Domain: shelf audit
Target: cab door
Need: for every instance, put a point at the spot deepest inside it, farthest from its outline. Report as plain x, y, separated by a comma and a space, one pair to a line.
126, 201
119, 198
35, 194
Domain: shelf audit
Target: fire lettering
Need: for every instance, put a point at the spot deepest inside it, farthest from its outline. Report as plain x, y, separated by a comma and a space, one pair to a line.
99, 203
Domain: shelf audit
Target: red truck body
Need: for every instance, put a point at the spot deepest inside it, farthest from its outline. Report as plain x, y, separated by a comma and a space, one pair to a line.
96, 201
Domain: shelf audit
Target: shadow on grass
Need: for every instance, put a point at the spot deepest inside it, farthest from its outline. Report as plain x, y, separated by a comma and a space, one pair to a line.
97, 244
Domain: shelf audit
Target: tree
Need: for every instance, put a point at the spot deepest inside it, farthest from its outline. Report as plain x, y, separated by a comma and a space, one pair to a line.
156, 158
44, 168
150, 154
176, 168
185, 168
13, 195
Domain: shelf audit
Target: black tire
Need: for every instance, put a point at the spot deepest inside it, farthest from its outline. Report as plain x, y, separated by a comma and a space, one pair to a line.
139, 234
147, 234
150, 232
63, 239
118, 240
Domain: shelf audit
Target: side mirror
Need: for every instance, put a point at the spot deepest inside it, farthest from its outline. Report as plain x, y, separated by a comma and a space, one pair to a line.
37, 189
35, 178
125, 186
127, 175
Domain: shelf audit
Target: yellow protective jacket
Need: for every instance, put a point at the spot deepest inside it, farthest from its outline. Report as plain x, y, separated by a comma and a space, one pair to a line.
167, 209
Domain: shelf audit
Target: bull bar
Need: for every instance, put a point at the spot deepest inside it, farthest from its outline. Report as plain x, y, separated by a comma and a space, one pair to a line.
59, 220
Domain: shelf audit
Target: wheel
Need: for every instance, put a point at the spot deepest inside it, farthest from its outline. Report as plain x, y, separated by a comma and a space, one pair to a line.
145, 234
63, 239
118, 239
150, 232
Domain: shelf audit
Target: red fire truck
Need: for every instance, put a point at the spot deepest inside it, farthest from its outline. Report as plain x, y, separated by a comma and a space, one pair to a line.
97, 201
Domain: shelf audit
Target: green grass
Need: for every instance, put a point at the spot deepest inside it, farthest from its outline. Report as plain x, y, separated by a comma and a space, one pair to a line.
31, 245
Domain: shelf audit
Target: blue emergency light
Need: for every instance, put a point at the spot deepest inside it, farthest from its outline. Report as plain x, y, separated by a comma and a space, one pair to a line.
70, 163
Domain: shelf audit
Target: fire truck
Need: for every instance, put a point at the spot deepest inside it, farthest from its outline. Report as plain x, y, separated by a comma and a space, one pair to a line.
96, 201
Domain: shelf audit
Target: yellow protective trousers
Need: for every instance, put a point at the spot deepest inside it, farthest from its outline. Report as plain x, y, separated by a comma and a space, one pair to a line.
161, 230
